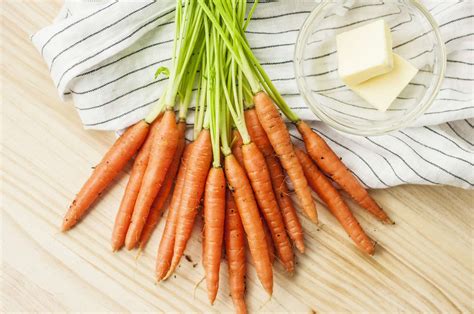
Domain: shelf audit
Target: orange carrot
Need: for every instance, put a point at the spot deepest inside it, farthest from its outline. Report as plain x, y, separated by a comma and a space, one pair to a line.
165, 250
111, 164
157, 206
248, 210
237, 147
162, 152
214, 216
288, 211
124, 214
235, 254
330, 164
268, 238
328, 193
194, 183
290, 218
279, 137
237, 152
257, 133
259, 176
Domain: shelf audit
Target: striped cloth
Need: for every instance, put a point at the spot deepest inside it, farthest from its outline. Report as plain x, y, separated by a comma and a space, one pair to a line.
103, 55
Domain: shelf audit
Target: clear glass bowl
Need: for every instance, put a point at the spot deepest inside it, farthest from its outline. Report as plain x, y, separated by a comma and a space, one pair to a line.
415, 37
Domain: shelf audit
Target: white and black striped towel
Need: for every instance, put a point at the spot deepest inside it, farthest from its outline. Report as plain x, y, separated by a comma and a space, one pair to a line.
103, 55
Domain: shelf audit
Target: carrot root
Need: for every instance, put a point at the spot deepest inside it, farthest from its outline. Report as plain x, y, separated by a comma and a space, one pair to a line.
248, 211
288, 211
279, 137
162, 151
268, 238
290, 218
111, 164
157, 206
330, 164
235, 253
214, 216
194, 183
124, 214
328, 193
259, 176
165, 249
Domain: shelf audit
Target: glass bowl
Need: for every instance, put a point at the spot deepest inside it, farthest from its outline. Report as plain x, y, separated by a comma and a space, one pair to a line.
415, 37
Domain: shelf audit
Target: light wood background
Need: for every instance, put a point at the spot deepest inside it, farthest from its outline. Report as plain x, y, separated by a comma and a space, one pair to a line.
423, 264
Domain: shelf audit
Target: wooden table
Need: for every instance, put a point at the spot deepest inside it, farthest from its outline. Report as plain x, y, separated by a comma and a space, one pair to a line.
423, 263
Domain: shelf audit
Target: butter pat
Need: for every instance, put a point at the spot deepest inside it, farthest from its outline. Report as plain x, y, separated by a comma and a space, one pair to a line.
382, 90
364, 52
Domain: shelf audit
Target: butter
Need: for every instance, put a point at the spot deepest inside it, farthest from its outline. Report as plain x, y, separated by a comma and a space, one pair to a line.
382, 90
364, 52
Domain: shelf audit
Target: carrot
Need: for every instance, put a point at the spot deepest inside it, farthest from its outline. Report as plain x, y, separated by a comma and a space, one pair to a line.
157, 206
330, 164
165, 250
214, 215
194, 183
124, 214
288, 211
235, 253
257, 133
162, 151
290, 218
259, 176
248, 210
279, 137
237, 147
328, 193
268, 238
111, 164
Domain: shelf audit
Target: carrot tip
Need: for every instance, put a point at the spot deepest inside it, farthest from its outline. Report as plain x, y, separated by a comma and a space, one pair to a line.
65, 227
269, 291
138, 254
300, 246
240, 306
168, 274
314, 219
388, 221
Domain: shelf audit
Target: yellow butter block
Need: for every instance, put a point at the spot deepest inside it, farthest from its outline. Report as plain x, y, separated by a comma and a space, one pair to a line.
364, 52
382, 90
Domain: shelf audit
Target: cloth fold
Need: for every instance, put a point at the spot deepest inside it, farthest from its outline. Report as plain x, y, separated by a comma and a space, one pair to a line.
103, 55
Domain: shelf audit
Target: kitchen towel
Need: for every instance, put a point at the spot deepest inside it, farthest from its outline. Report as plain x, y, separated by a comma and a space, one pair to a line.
103, 55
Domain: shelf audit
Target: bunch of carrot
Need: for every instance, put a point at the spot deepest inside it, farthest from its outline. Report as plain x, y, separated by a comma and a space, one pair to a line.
235, 167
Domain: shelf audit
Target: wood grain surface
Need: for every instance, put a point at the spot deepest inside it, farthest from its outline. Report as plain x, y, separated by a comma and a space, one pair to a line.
423, 264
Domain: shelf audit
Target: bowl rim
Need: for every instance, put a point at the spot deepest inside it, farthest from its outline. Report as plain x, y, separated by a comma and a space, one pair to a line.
309, 99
